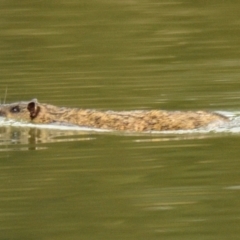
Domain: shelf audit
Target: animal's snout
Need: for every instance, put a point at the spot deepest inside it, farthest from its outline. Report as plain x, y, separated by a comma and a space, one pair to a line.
2, 114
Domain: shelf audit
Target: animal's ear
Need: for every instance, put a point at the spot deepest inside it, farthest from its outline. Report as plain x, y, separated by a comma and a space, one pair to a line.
33, 108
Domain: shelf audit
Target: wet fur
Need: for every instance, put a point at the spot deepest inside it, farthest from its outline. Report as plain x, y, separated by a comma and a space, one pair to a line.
141, 120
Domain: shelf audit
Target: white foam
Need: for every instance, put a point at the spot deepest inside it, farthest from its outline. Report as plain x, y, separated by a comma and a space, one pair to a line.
58, 126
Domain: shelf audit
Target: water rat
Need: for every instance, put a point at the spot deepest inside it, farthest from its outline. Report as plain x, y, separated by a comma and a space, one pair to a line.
142, 120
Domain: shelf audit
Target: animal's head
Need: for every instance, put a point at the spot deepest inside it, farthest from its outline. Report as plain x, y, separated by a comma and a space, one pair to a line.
23, 111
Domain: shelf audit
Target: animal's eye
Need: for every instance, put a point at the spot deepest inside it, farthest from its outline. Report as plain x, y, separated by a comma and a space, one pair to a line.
15, 109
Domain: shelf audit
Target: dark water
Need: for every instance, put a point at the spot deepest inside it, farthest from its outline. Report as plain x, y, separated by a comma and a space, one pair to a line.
120, 55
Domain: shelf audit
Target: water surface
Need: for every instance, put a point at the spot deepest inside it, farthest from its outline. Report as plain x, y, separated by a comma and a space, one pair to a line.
120, 55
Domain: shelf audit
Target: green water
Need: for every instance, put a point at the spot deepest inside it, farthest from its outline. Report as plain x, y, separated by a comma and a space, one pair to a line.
120, 55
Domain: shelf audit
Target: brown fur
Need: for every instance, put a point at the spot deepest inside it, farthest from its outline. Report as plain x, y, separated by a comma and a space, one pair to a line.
157, 120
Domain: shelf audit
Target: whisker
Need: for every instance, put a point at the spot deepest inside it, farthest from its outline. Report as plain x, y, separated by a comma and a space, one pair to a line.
5, 97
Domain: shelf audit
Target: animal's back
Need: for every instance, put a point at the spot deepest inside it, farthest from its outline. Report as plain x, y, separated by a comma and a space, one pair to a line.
158, 120
147, 120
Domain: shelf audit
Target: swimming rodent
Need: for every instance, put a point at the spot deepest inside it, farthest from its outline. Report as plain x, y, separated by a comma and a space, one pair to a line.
141, 120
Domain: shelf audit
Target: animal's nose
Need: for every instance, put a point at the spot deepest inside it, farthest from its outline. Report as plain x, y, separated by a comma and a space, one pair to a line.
1, 112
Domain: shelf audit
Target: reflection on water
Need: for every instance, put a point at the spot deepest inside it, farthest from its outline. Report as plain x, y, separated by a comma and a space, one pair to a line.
30, 137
